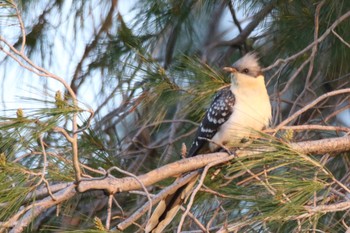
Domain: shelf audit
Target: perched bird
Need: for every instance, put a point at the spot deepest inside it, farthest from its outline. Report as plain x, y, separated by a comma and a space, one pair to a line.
235, 114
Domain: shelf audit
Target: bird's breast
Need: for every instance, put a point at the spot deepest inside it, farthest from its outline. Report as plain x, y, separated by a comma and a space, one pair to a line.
251, 113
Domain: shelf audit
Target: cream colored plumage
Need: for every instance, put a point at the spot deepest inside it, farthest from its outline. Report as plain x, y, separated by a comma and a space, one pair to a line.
252, 109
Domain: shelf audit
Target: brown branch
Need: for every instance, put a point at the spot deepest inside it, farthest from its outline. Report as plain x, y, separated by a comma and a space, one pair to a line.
311, 127
328, 145
329, 208
109, 211
113, 185
21, 24
340, 38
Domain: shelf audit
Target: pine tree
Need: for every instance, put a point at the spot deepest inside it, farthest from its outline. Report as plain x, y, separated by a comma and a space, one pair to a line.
109, 101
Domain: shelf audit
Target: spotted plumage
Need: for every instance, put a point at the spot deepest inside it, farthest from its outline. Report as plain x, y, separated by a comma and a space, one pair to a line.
218, 113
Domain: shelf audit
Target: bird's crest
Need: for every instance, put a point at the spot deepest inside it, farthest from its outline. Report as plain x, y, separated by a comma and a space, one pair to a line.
250, 62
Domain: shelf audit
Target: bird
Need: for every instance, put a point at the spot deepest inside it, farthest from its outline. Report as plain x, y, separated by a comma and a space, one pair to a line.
236, 113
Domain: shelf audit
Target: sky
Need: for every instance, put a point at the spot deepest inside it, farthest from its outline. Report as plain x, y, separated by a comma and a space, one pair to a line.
18, 85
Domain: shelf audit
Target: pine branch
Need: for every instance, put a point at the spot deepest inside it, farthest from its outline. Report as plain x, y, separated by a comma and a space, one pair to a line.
114, 185
311, 105
23, 218
322, 146
311, 45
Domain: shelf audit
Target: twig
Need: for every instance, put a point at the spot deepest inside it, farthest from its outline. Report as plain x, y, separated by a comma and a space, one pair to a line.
163, 122
107, 23
310, 127
39, 193
109, 211
310, 105
160, 196
205, 189
345, 225
201, 181
88, 122
311, 58
335, 113
340, 38
168, 152
211, 220
33, 210
294, 76
234, 17
320, 39
42, 72
239, 39
118, 205
196, 221
21, 24
44, 169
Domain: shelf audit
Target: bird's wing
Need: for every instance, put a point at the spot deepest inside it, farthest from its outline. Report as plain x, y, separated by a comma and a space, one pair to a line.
220, 110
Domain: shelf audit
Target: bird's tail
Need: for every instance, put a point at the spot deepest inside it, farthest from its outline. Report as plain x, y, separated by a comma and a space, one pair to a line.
167, 208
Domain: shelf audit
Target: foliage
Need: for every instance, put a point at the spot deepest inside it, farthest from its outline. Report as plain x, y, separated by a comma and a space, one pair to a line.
136, 86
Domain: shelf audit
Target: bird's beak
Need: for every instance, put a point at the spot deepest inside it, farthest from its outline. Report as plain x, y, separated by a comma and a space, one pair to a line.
230, 69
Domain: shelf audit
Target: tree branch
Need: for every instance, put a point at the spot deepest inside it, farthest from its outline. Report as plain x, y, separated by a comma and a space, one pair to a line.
342, 206
312, 104
327, 145
310, 46
39, 207
113, 185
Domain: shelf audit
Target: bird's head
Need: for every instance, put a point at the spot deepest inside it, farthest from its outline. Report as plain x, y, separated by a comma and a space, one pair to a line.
245, 69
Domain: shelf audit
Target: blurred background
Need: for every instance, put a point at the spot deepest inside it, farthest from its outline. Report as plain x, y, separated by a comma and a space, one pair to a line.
148, 69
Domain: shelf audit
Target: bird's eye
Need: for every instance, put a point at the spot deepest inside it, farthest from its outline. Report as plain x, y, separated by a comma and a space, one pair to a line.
246, 71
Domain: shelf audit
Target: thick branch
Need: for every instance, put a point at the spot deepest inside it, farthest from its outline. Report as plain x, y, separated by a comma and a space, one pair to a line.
328, 145
113, 185
342, 206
